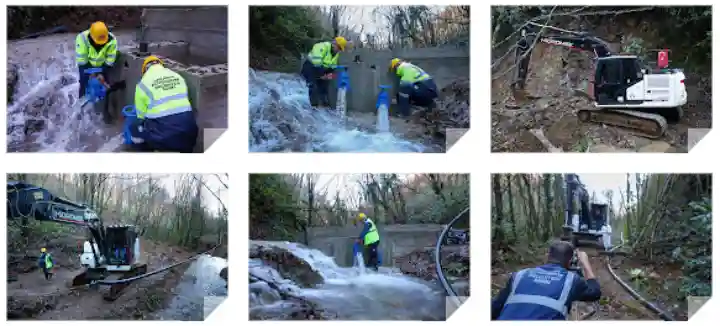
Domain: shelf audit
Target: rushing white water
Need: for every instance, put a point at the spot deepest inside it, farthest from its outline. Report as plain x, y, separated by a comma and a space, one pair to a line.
45, 115
281, 119
345, 293
199, 292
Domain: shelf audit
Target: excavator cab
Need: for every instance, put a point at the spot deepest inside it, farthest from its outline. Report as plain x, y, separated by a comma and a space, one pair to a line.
586, 223
121, 242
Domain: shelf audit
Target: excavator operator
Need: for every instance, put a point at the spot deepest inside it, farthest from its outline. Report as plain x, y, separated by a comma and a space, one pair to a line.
46, 262
318, 69
165, 120
370, 239
547, 292
96, 48
416, 86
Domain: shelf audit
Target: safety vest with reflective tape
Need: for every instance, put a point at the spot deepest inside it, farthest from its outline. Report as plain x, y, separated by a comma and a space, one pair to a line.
85, 53
48, 261
410, 73
525, 286
161, 92
321, 55
372, 235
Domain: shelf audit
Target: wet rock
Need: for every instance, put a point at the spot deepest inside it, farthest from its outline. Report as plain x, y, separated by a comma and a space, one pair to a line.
224, 274
285, 263
12, 78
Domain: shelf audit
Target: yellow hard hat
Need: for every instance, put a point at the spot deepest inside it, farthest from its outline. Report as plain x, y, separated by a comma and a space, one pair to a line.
361, 216
99, 33
394, 63
43, 250
341, 42
148, 61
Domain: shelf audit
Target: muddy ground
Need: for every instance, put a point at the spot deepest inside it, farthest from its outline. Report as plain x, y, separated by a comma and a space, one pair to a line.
554, 75
30, 296
659, 287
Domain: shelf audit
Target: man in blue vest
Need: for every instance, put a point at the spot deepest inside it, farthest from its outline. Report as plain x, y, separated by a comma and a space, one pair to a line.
547, 292
370, 239
46, 262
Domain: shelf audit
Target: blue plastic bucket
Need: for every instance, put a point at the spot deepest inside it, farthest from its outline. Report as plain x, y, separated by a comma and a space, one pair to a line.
130, 117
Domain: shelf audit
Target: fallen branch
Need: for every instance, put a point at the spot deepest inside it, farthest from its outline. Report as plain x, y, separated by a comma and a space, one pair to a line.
540, 135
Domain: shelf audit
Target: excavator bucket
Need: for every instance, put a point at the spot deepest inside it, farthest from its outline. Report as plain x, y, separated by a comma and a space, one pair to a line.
81, 279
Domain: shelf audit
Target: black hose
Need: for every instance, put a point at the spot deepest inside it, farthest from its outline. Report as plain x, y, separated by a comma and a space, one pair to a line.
663, 314
127, 280
438, 268
54, 30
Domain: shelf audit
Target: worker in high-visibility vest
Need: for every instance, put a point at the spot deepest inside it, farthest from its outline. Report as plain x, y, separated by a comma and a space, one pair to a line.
547, 292
46, 263
416, 87
370, 239
95, 48
318, 69
165, 120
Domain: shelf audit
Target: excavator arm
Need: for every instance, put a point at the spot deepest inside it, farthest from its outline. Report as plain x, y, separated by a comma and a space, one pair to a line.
28, 200
570, 40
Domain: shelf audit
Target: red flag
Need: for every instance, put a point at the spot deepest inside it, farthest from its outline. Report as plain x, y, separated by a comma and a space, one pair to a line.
662, 59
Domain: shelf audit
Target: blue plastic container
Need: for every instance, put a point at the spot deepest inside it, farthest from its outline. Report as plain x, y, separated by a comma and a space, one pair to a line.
383, 97
343, 78
94, 91
130, 117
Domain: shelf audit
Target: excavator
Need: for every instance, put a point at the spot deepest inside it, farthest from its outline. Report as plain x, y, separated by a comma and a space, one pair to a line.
586, 223
111, 254
626, 92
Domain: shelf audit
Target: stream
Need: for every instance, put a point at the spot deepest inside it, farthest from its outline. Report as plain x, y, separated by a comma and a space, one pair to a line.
345, 293
199, 292
281, 119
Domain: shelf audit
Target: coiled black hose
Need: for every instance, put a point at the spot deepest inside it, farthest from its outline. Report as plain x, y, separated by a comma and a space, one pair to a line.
438, 268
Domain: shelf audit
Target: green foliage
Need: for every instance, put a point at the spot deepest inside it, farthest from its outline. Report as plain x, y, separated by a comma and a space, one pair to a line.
273, 213
425, 207
279, 35
697, 260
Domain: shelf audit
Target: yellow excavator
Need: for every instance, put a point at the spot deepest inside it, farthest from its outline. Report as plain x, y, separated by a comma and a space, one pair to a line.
111, 254
625, 93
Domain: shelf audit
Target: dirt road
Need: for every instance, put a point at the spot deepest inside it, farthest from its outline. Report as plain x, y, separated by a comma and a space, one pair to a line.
30, 296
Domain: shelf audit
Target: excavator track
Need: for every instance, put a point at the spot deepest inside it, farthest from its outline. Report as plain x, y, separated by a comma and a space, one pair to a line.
115, 290
642, 124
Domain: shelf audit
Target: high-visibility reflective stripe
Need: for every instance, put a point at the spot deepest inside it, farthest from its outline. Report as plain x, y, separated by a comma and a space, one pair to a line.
165, 113
558, 305
157, 102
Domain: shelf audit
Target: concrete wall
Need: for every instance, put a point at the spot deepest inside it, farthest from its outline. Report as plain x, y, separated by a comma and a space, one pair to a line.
204, 29
444, 64
395, 241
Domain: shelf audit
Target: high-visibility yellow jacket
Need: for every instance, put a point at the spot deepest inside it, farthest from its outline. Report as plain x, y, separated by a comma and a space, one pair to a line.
85, 52
321, 55
410, 73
